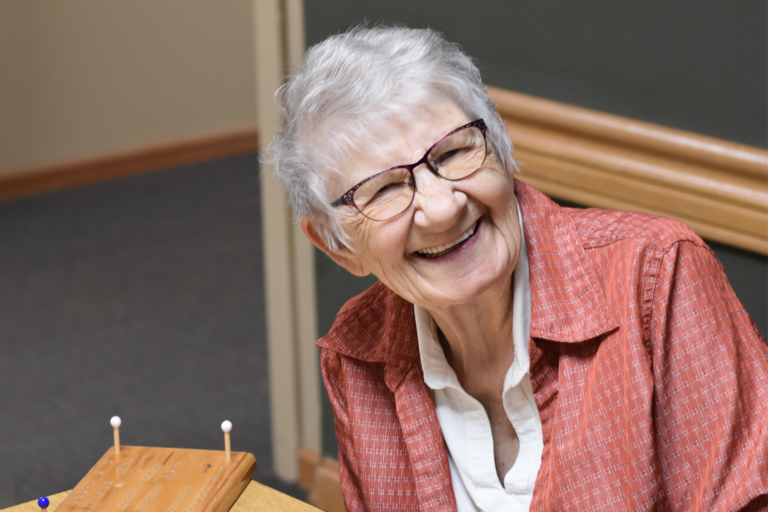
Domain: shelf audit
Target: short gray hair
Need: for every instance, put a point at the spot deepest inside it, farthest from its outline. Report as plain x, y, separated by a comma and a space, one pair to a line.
350, 80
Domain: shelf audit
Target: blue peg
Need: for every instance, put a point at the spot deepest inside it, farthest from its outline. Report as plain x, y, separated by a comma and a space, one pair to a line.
43, 502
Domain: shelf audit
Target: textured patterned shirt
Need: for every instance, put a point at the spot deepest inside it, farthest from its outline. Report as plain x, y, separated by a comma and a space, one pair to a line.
650, 379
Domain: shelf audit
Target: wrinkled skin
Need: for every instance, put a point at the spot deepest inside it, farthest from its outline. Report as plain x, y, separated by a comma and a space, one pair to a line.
441, 212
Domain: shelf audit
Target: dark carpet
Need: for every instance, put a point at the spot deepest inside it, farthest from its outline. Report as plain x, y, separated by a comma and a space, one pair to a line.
141, 297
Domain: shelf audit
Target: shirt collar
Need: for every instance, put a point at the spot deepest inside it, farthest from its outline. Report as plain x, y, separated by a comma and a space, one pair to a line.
567, 299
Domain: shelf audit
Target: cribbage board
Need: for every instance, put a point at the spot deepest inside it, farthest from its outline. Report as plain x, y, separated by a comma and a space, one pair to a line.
142, 479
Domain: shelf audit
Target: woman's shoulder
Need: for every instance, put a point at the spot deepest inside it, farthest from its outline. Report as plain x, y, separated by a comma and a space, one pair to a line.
367, 324
597, 227
600, 228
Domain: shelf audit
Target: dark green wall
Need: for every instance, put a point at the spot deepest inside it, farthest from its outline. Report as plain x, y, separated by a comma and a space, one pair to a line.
697, 65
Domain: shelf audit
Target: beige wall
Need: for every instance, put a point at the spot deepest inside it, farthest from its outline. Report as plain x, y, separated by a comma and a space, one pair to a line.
83, 77
13, 76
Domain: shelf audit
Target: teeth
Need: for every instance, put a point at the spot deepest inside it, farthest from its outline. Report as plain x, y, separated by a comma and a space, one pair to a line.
435, 251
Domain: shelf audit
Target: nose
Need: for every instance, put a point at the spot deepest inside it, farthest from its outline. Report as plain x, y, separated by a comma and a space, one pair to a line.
437, 202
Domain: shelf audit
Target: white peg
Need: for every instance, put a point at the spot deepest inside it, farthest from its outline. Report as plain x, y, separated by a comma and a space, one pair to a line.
116, 422
226, 427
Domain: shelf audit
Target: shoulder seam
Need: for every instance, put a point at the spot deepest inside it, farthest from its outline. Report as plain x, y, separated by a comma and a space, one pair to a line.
654, 277
651, 241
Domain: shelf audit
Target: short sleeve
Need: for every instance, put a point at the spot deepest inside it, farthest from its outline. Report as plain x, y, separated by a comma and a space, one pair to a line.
710, 370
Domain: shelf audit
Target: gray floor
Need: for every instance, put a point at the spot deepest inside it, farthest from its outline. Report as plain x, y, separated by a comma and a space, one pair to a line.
141, 297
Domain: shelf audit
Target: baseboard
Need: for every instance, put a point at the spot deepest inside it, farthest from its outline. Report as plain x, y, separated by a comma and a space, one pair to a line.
596, 159
320, 476
34, 180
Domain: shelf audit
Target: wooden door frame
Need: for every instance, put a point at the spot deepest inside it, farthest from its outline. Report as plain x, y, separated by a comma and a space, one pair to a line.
289, 270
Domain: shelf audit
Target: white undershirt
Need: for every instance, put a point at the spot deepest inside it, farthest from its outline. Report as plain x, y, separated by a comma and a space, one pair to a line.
465, 424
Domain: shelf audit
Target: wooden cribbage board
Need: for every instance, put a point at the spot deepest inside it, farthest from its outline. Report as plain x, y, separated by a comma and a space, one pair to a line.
143, 479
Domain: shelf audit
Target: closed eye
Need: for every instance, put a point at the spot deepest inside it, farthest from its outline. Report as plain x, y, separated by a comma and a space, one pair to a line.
446, 157
387, 191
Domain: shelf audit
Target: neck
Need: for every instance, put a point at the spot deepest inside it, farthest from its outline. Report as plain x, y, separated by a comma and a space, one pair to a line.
477, 338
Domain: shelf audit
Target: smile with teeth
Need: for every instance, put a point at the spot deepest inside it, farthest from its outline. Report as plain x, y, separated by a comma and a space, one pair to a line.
436, 252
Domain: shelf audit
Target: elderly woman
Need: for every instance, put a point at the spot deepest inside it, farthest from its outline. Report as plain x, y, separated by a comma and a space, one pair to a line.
514, 354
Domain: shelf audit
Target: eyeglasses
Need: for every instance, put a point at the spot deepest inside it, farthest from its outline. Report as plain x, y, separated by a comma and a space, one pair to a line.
389, 193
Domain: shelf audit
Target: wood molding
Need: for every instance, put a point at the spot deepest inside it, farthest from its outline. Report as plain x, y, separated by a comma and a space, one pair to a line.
277, 225
309, 459
718, 188
326, 493
320, 476
304, 292
154, 157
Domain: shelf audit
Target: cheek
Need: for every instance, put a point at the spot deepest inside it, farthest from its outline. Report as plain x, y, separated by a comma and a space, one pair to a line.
502, 177
496, 191
379, 245
493, 183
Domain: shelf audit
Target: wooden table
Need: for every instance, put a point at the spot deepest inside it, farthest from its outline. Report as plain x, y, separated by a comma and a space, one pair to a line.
255, 497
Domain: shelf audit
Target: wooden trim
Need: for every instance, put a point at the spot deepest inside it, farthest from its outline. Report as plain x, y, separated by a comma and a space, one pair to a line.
289, 267
718, 188
305, 307
307, 353
309, 459
326, 491
277, 222
153, 157
321, 480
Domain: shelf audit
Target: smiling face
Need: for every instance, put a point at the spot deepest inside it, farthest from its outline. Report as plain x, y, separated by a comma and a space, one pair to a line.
456, 242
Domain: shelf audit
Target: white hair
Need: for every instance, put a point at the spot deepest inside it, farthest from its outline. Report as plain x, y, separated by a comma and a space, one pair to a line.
351, 81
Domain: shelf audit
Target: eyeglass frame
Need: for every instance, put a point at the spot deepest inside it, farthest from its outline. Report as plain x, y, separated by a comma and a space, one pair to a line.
347, 200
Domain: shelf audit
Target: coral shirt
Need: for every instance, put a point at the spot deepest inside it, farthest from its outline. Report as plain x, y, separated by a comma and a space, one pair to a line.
650, 378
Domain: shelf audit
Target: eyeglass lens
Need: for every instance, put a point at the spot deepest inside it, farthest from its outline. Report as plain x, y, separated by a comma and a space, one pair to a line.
391, 193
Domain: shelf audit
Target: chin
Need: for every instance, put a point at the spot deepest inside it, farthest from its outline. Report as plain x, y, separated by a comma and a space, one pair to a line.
471, 287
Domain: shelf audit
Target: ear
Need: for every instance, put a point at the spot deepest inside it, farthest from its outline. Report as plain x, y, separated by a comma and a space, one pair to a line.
343, 256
